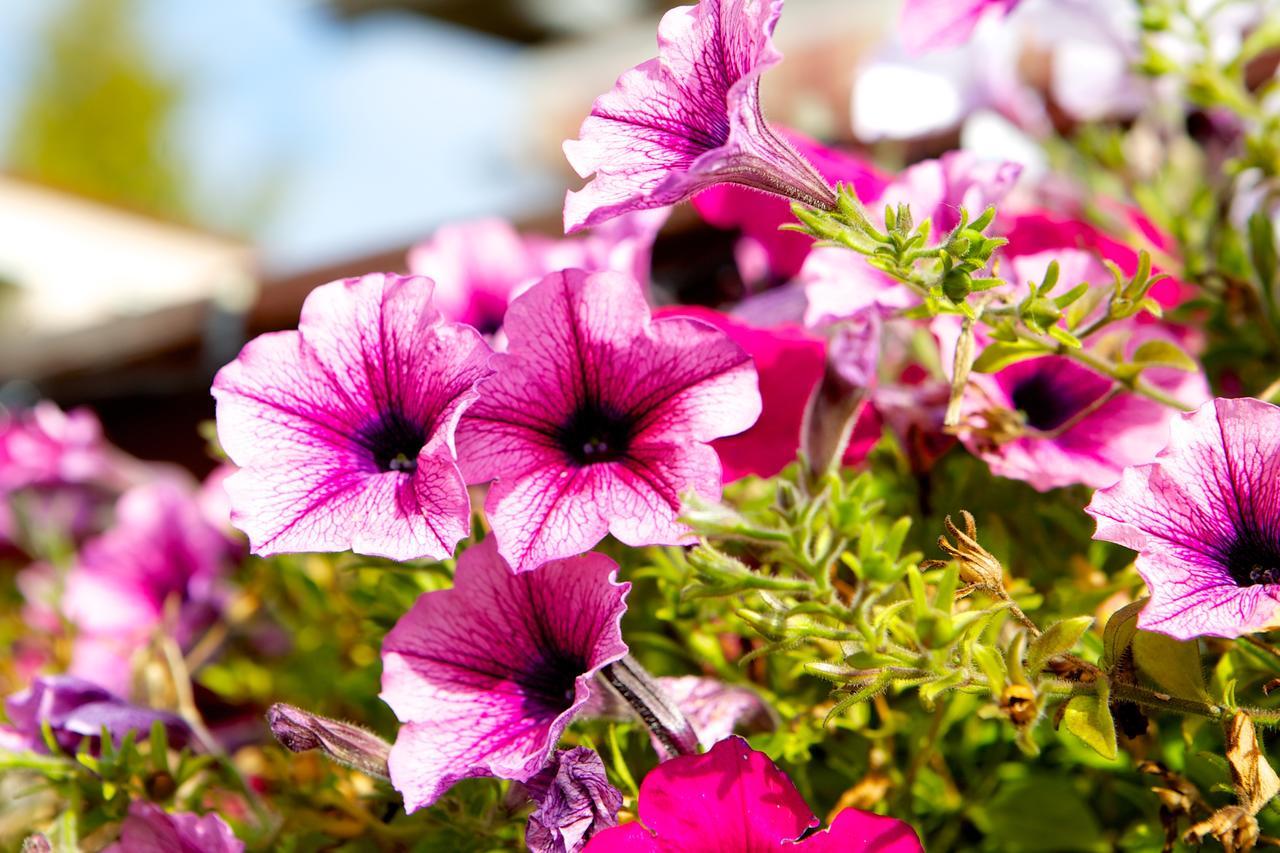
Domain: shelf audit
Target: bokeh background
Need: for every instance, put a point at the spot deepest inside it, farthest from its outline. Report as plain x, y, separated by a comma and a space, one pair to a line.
176, 175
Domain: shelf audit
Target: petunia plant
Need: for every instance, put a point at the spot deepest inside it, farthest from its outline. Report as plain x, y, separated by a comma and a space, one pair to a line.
944, 513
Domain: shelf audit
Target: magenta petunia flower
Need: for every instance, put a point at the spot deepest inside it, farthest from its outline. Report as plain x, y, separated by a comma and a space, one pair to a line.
479, 266
1204, 518
343, 429
932, 24
76, 709
575, 802
759, 216
688, 119
485, 676
598, 419
150, 829
735, 798
161, 551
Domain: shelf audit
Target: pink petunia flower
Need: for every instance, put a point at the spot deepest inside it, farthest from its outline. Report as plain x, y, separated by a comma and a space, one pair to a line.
735, 798
937, 189
150, 829
688, 119
598, 419
1204, 518
160, 552
758, 215
485, 676
931, 24
1052, 422
479, 266
343, 429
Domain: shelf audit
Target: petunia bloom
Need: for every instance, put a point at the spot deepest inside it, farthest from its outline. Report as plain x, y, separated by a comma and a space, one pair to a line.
575, 802
735, 798
161, 551
76, 709
689, 119
598, 419
485, 676
343, 429
150, 829
479, 266
1204, 518
932, 24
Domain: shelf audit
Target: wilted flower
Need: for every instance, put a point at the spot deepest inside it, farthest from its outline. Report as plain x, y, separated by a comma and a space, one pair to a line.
575, 801
76, 709
734, 798
931, 24
343, 429
688, 119
485, 676
479, 266
151, 829
347, 744
597, 419
160, 552
1204, 518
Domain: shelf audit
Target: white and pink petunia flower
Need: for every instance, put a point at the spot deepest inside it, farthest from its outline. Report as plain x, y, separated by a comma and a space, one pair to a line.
598, 419
343, 429
688, 119
932, 24
486, 675
1204, 518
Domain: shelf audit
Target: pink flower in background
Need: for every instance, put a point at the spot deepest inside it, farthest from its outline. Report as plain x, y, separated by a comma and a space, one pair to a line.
688, 119
486, 676
937, 189
343, 430
1204, 518
759, 215
1063, 440
478, 266
76, 709
839, 283
575, 801
161, 551
151, 829
931, 24
598, 419
735, 798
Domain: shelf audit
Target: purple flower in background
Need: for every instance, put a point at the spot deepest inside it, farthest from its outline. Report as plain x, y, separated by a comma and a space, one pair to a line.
689, 119
162, 551
150, 829
598, 419
485, 676
575, 801
937, 189
343, 430
1205, 521
479, 266
76, 709
931, 24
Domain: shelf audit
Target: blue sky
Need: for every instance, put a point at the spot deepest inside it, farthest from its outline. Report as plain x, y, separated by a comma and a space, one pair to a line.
374, 131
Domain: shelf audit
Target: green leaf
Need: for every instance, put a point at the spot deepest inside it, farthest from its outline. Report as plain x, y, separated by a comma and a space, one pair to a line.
1059, 639
1159, 353
1174, 665
1262, 253
1120, 631
999, 355
1089, 718
1015, 819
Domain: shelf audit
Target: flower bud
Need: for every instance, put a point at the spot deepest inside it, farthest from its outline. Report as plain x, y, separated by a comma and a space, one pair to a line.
347, 744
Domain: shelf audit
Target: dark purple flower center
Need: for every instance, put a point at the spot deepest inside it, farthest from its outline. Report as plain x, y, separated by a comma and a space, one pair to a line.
1043, 403
553, 684
1254, 559
595, 433
394, 442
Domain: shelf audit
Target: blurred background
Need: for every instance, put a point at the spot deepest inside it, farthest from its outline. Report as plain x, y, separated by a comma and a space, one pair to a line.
177, 175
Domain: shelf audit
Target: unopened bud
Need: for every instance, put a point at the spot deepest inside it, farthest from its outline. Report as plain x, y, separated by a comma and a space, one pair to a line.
347, 744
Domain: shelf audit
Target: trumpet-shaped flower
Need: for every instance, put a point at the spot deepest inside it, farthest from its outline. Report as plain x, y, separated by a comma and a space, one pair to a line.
734, 798
150, 829
479, 266
688, 119
598, 419
343, 429
485, 676
1204, 518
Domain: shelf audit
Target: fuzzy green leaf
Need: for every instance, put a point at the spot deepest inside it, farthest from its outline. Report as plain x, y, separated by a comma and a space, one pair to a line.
1059, 639
1089, 718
